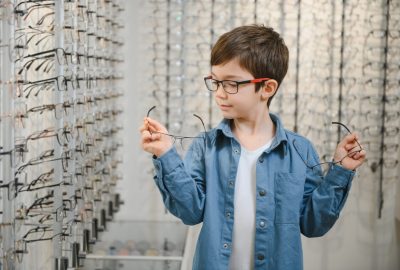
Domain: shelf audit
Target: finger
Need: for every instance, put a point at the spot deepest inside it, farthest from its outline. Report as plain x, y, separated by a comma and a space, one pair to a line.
357, 156
152, 129
145, 125
156, 136
148, 145
352, 147
360, 156
143, 128
155, 133
363, 154
146, 135
148, 148
356, 136
146, 138
145, 143
156, 125
348, 139
149, 129
352, 154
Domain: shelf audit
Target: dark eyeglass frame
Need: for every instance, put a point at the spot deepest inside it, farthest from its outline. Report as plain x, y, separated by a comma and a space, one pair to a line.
59, 108
339, 161
44, 157
209, 78
179, 137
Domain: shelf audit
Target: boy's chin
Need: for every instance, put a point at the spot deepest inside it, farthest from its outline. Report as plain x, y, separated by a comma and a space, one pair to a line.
227, 115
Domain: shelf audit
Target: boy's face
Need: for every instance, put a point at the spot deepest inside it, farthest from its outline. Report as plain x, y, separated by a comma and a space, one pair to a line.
246, 103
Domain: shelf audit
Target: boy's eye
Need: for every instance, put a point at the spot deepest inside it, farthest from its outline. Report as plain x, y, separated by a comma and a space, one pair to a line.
229, 84
214, 83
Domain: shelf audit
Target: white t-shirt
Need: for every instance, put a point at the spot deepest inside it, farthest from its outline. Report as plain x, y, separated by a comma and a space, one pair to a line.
244, 228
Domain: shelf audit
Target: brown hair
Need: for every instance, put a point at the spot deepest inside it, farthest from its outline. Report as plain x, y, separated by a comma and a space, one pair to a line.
259, 49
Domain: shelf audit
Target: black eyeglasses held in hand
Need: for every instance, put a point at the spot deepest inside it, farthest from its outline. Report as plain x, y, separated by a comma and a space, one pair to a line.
353, 150
184, 141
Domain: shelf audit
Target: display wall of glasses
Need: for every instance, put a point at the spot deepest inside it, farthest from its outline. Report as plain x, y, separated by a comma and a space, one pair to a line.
59, 129
344, 66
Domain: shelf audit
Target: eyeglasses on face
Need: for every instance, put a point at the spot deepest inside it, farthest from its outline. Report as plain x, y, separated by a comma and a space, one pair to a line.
229, 86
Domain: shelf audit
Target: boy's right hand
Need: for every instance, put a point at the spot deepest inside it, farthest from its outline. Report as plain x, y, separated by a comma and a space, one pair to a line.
154, 139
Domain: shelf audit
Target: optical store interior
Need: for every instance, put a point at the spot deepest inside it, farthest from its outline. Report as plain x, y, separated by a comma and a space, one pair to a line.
77, 78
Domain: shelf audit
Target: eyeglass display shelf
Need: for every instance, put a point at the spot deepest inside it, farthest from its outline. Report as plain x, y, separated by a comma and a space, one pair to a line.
134, 258
144, 245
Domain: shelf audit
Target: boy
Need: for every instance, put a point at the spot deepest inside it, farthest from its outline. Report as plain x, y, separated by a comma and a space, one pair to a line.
253, 184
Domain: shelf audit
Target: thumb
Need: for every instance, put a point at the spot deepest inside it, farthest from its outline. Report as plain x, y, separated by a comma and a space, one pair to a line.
350, 138
156, 126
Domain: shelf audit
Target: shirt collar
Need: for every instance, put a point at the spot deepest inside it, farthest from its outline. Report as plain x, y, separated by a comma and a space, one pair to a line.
280, 134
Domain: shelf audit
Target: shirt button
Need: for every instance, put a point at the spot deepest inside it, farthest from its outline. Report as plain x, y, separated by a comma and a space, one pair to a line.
261, 160
231, 183
262, 224
260, 257
236, 151
262, 193
228, 214
225, 245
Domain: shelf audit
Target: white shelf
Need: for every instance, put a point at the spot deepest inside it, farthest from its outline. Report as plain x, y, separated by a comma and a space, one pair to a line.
134, 258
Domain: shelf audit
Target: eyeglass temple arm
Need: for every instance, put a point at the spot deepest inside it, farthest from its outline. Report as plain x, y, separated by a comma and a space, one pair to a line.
202, 123
3, 153
149, 111
195, 115
343, 125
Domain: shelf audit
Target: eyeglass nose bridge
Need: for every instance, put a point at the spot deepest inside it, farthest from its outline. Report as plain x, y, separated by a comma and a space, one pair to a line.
219, 83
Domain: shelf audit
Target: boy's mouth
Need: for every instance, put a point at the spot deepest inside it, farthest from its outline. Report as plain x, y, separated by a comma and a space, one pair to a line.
224, 107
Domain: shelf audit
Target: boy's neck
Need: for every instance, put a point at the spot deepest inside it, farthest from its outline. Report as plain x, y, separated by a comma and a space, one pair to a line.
254, 133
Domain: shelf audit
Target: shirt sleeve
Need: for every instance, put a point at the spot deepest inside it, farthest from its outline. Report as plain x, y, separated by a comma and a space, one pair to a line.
182, 183
324, 196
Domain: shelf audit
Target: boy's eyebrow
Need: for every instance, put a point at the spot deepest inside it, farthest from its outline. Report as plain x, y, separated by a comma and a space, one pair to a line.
228, 77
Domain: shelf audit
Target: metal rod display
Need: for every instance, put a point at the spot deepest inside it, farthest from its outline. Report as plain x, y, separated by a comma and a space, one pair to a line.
341, 75
59, 126
296, 95
383, 122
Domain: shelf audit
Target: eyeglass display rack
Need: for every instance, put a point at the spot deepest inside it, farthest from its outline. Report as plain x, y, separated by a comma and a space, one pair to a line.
59, 129
144, 245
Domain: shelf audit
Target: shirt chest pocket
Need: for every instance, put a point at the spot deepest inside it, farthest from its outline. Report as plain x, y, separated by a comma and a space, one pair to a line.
289, 188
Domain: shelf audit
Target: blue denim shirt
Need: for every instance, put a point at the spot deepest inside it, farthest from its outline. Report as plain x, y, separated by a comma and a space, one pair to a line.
291, 197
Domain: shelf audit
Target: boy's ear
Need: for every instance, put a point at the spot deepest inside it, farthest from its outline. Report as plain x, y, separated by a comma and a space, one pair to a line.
269, 88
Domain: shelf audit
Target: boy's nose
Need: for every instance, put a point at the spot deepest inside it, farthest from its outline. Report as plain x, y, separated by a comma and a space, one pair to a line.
220, 93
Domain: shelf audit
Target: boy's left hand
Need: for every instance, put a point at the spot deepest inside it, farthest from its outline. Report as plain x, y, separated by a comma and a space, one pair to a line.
348, 152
